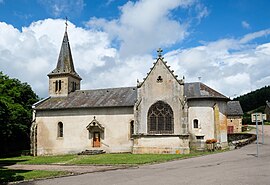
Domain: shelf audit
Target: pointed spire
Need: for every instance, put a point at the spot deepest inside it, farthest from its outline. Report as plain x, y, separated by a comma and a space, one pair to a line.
65, 62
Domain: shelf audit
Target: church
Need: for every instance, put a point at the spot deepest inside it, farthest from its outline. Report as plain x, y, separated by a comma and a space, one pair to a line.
162, 114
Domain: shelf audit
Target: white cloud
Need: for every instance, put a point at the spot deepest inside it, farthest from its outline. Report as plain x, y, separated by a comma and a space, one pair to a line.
228, 65
31, 54
146, 25
251, 36
245, 24
231, 66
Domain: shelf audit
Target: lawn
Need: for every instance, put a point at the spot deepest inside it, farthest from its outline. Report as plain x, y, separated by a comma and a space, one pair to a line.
8, 175
102, 159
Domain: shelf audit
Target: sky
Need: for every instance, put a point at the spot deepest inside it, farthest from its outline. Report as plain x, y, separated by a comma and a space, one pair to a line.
223, 43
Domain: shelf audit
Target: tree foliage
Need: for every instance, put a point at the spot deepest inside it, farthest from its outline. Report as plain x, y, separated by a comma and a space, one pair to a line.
254, 99
16, 101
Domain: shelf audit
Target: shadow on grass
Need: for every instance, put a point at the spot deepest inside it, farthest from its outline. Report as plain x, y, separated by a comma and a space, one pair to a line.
9, 175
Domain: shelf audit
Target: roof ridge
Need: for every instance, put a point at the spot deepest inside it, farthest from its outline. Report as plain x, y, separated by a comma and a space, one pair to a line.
110, 88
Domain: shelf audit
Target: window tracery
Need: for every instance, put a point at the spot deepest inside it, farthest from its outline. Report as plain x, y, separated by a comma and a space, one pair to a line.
160, 118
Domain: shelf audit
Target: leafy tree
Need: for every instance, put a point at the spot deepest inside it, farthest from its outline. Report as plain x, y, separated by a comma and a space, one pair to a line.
16, 100
254, 99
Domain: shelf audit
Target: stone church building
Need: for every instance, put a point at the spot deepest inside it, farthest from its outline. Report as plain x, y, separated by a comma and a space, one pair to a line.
162, 114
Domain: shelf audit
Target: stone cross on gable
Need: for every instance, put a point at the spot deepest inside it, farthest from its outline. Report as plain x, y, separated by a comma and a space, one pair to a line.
159, 52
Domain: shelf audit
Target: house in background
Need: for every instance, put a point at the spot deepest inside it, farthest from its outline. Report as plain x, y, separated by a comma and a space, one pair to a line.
267, 111
234, 117
162, 114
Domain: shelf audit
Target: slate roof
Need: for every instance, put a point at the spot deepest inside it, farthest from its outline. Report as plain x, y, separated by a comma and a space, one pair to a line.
116, 97
65, 62
112, 97
198, 90
234, 108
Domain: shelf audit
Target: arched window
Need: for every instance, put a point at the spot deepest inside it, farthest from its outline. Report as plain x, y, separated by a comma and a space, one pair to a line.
195, 123
60, 130
160, 118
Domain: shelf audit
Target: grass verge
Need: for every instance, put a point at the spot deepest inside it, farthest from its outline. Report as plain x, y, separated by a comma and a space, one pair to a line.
103, 159
8, 175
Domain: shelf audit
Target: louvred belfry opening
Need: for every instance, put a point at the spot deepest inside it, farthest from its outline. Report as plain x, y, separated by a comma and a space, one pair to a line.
160, 118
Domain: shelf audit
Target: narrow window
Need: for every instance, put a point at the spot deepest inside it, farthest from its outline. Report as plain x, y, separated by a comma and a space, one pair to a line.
195, 123
73, 86
56, 85
59, 85
60, 129
131, 128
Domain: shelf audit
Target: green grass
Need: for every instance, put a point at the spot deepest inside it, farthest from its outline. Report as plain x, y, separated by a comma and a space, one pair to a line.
59, 159
103, 159
130, 159
8, 175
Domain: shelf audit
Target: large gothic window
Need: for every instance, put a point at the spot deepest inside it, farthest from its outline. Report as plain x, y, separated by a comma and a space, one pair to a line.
160, 118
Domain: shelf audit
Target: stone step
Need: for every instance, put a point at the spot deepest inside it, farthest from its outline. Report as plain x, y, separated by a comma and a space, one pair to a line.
92, 152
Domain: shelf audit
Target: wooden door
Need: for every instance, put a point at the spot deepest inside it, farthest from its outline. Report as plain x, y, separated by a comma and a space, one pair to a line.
96, 139
230, 129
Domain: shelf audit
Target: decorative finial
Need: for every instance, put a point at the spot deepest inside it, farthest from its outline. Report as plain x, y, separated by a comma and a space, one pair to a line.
66, 23
159, 52
94, 117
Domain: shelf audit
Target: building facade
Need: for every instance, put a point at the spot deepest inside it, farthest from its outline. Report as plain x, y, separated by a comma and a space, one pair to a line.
234, 117
162, 114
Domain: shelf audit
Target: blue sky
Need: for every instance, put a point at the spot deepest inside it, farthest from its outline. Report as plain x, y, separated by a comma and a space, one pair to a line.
226, 43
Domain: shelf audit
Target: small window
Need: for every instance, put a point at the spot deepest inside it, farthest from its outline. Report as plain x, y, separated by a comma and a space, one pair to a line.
73, 86
60, 130
131, 128
195, 123
199, 137
159, 79
56, 85
59, 85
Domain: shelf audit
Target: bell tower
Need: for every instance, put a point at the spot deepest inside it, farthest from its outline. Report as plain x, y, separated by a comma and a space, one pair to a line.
64, 79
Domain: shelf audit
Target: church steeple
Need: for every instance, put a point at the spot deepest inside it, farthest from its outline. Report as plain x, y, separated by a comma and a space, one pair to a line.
64, 79
65, 62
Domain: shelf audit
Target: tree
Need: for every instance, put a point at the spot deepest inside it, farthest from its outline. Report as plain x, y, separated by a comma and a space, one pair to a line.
255, 99
16, 100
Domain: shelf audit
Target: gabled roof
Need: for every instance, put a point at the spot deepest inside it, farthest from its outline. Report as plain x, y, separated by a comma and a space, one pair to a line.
160, 58
197, 90
113, 97
234, 108
94, 123
65, 62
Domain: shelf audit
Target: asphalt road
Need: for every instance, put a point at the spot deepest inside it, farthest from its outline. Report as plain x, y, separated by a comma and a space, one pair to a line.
237, 167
